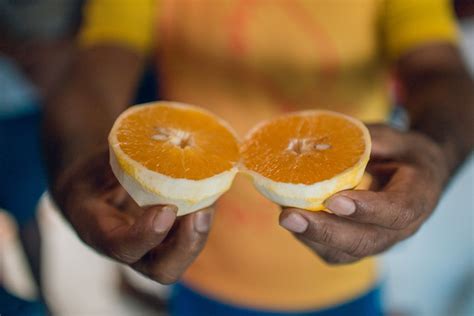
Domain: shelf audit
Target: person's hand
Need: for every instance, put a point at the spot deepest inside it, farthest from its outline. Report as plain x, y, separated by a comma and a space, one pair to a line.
409, 172
151, 240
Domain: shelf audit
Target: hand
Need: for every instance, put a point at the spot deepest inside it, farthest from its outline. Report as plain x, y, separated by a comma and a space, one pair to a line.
151, 240
409, 172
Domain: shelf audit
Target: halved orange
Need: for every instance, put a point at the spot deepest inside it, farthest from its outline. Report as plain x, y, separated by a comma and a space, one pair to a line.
173, 153
301, 159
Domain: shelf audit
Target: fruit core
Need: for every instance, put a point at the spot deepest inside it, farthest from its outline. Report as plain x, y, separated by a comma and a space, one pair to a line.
305, 145
177, 137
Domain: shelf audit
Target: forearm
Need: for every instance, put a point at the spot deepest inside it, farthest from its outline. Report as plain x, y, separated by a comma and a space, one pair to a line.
42, 61
99, 84
439, 96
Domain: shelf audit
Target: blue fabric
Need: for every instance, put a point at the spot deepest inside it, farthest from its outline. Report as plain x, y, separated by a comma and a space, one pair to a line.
13, 306
21, 170
186, 302
148, 88
17, 95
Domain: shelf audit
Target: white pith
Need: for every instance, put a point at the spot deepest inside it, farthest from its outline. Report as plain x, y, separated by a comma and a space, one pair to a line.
306, 144
174, 136
312, 196
147, 187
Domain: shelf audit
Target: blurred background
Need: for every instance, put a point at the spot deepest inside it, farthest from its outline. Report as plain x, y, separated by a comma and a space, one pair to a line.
428, 275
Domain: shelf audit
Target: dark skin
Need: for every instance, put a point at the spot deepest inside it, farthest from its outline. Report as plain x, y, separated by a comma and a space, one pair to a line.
410, 168
151, 240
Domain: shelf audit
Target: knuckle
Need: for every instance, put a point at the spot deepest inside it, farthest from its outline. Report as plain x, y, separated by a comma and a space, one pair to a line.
191, 248
324, 234
402, 218
194, 246
119, 253
363, 245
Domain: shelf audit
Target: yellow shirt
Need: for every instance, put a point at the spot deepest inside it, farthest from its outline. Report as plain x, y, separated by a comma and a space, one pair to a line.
248, 60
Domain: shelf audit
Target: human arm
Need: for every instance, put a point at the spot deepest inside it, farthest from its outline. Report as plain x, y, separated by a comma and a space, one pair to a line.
411, 167
100, 83
152, 240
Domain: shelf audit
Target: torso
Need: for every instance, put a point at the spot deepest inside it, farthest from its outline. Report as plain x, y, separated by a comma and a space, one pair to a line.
248, 60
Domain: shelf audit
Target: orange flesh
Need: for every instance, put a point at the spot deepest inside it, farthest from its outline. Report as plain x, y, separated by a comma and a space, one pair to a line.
304, 148
179, 142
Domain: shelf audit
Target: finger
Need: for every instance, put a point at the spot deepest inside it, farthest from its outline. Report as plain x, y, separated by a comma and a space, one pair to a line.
402, 201
117, 196
167, 263
129, 240
355, 239
119, 199
387, 142
382, 171
328, 254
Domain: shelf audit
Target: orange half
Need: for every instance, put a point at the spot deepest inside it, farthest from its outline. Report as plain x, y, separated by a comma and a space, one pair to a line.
302, 158
173, 153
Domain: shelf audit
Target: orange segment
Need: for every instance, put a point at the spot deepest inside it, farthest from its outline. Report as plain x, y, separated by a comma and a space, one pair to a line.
304, 148
177, 141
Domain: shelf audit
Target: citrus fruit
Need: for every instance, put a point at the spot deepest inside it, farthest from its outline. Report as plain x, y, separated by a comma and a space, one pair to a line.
301, 159
173, 153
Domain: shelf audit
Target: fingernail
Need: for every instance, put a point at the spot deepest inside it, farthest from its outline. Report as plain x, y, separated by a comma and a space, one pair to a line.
165, 218
295, 223
340, 205
202, 221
